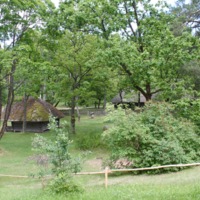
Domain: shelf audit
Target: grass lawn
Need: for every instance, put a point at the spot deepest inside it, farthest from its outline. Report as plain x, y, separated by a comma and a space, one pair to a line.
15, 151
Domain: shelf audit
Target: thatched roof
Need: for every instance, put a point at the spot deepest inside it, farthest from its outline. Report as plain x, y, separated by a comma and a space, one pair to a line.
37, 110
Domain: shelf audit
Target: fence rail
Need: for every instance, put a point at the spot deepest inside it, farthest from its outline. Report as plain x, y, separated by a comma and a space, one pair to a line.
108, 171
13, 176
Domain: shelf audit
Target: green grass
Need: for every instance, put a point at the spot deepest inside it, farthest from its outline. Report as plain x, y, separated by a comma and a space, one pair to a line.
16, 149
151, 190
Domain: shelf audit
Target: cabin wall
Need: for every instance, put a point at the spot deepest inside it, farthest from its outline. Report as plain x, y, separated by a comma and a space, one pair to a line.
36, 127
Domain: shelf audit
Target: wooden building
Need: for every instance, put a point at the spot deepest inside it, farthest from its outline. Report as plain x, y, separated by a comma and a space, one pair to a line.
37, 115
130, 100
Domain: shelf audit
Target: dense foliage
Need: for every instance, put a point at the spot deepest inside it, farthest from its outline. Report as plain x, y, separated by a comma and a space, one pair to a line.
152, 137
188, 109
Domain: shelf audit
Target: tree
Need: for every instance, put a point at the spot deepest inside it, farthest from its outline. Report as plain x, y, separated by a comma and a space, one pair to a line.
74, 59
188, 15
16, 19
31, 70
143, 48
188, 19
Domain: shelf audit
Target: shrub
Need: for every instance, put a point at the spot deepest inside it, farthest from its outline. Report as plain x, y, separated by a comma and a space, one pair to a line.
152, 137
188, 109
63, 184
61, 162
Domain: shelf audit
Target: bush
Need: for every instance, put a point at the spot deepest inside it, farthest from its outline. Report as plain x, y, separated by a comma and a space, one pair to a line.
152, 137
63, 184
61, 162
188, 109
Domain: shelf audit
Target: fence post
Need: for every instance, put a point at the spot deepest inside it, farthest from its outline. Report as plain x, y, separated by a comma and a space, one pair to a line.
106, 177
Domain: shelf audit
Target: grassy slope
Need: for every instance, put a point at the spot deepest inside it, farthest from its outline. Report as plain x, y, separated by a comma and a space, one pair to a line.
17, 148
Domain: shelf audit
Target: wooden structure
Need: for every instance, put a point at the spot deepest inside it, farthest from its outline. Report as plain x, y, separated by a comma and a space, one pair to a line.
134, 99
108, 171
37, 115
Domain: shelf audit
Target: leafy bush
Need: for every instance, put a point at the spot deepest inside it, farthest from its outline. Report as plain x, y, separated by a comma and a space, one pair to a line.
61, 162
152, 137
189, 109
63, 184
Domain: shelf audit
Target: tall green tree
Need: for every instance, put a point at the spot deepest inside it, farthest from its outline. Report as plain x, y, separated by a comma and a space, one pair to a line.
75, 52
145, 50
16, 19
188, 19
75, 59
188, 15
31, 70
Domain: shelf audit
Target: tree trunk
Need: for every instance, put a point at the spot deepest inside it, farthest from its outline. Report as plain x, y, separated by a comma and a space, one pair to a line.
77, 110
148, 92
10, 99
95, 104
148, 96
139, 99
25, 114
99, 103
1, 99
104, 100
73, 119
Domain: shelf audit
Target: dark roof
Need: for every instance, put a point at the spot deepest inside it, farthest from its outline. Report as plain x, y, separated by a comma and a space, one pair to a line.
37, 110
133, 98
118, 98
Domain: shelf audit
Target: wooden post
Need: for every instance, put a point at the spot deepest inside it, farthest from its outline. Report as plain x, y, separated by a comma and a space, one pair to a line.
106, 177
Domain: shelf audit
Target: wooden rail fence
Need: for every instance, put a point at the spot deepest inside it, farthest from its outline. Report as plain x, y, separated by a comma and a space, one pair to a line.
107, 171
